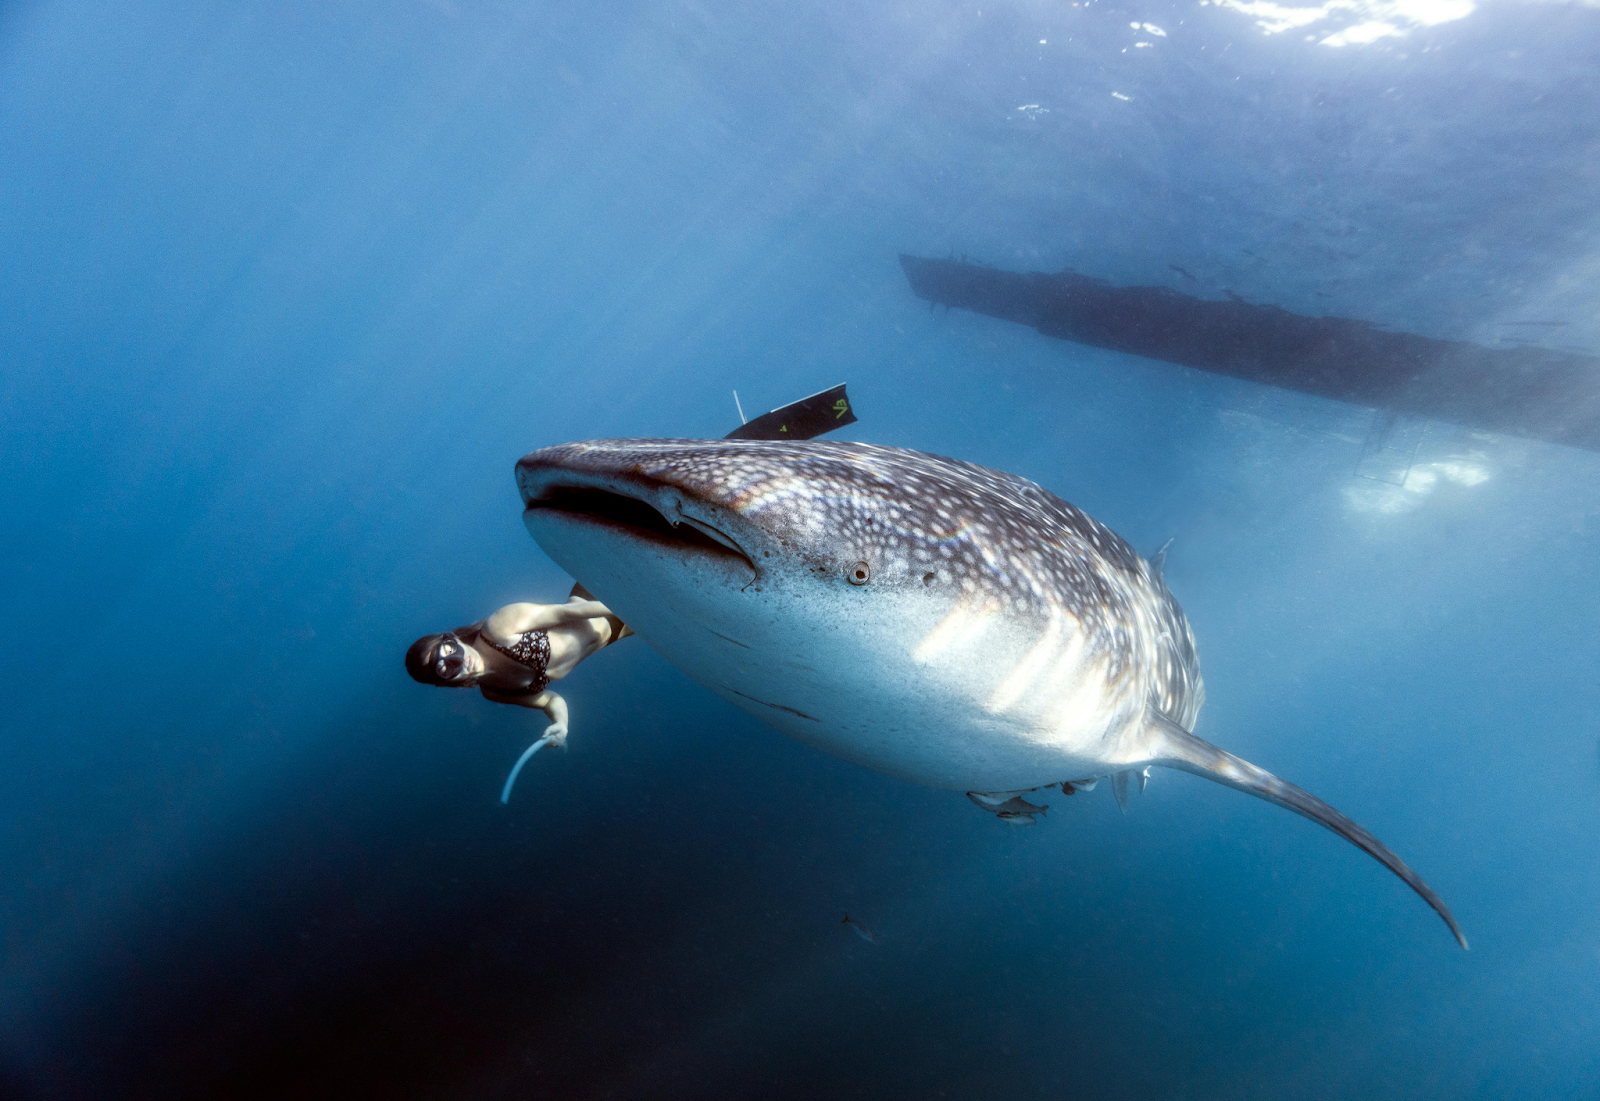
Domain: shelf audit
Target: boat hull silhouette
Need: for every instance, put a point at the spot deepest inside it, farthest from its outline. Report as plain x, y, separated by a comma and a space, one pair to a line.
1539, 393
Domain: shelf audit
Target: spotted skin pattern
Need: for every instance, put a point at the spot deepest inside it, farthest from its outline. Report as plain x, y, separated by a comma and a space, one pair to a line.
921, 519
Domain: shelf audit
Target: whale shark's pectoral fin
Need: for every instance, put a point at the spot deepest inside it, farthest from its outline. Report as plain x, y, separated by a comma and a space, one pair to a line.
1175, 747
1010, 807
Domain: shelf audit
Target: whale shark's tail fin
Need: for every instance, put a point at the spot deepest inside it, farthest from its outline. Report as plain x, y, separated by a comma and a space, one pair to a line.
1175, 747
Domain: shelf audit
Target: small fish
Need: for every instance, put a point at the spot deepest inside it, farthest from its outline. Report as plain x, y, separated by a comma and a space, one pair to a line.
860, 930
1015, 811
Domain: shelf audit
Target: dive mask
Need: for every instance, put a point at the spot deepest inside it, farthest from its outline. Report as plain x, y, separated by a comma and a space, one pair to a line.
450, 656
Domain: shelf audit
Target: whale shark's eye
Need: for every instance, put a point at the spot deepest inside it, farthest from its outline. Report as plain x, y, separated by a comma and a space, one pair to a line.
859, 574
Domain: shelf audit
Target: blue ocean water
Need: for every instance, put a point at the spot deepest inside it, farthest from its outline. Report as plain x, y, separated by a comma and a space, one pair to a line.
286, 289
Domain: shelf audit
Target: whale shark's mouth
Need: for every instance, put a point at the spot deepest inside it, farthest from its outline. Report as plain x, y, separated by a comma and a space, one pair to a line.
637, 519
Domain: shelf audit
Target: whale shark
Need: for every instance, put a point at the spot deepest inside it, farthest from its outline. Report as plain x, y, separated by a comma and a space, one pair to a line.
934, 620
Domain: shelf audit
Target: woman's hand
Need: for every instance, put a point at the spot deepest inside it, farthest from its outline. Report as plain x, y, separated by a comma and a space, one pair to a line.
555, 734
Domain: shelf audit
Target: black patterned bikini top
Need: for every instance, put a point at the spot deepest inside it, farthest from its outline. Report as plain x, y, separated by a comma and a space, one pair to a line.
532, 652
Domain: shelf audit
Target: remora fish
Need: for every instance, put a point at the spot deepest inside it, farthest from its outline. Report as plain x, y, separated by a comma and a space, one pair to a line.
860, 930
934, 620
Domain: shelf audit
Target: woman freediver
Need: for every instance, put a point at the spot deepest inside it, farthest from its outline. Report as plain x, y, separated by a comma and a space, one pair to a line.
514, 654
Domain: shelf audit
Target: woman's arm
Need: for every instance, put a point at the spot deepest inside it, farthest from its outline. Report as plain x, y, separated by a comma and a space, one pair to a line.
555, 734
556, 708
517, 619
541, 702
551, 704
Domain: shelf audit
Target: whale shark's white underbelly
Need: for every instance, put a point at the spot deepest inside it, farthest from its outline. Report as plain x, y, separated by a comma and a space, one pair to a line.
952, 699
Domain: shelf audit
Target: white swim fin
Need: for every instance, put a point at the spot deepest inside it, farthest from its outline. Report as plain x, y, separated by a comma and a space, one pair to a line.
527, 754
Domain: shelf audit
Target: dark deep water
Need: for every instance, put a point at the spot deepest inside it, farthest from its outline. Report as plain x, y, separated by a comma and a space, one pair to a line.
286, 289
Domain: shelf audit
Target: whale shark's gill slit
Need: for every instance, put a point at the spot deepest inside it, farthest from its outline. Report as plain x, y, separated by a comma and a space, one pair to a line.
776, 706
725, 638
638, 516
1177, 748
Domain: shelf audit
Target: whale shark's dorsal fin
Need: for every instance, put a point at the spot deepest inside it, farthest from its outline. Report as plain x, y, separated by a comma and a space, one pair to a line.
1175, 747
1158, 560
